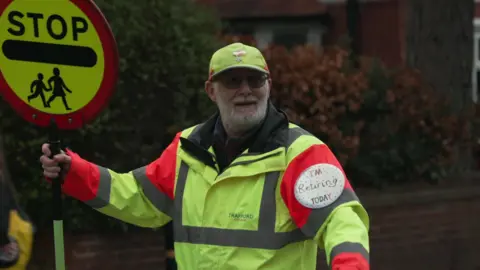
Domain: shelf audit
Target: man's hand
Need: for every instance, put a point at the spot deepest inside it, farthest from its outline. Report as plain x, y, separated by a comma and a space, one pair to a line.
51, 167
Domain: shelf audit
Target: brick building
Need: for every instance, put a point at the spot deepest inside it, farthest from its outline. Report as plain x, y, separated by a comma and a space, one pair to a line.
378, 26
318, 22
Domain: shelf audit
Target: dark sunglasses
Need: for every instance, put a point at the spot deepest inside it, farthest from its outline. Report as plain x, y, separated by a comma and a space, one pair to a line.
235, 82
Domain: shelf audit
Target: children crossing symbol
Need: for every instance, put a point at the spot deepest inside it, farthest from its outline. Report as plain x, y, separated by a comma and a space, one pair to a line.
58, 89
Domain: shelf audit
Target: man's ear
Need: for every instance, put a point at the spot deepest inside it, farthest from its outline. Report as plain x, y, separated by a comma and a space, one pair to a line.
210, 91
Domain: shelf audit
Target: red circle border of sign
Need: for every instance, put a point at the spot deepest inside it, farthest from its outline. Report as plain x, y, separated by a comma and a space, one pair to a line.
86, 114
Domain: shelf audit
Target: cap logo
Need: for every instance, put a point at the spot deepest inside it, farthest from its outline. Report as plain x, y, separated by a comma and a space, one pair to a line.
238, 55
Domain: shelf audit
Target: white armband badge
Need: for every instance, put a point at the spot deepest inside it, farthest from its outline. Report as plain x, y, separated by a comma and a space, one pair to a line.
319, 185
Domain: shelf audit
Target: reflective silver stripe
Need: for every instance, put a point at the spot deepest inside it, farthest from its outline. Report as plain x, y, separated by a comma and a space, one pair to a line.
349, 247
318, 216
159, 199
103, 193
246, 162
268, 207
239, 238
181, 234
265, 237
294, 134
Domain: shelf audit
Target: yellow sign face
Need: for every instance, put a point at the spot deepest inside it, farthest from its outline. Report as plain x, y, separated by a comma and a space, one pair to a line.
52, 57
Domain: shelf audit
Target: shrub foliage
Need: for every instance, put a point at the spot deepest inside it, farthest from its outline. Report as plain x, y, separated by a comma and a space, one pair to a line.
385, 126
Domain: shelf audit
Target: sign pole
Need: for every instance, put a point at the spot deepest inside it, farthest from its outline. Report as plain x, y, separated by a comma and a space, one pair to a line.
55, 148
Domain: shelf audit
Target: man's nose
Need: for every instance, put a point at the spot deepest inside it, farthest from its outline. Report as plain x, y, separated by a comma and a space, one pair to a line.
244, 87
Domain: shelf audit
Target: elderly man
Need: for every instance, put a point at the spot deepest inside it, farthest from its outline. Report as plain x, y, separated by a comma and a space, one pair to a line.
246, 189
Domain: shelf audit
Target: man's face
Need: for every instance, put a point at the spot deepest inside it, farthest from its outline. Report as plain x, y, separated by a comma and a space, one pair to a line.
241, 96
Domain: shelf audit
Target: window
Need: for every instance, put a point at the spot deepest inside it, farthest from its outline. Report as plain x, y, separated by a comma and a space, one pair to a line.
476, 62
476, 39
290, 39
289, 35
477, 86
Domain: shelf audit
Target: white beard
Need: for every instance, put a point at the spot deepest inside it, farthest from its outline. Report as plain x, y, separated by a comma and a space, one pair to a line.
236, 123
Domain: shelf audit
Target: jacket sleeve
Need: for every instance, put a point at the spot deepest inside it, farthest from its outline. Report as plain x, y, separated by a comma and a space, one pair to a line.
324, 206
143, 197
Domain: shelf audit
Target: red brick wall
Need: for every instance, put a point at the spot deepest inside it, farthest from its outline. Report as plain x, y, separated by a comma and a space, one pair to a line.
139, 251
425, 229
415, 230
382, 29
339, 27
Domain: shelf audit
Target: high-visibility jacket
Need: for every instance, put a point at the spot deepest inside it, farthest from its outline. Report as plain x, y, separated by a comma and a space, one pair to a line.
16, 224
271, 208
21, 229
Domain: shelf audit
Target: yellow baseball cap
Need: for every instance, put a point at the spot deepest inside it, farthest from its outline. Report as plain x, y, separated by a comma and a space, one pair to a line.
237, 55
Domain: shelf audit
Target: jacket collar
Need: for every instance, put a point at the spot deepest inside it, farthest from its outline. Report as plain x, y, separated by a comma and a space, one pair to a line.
267, 138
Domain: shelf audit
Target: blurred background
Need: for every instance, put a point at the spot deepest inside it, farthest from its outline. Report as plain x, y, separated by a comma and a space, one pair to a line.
390, 85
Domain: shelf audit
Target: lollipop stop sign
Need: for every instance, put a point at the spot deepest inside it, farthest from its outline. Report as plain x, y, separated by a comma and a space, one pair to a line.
58, 69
